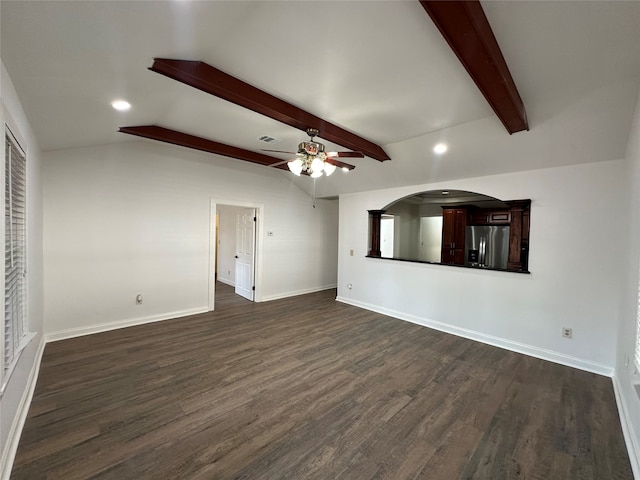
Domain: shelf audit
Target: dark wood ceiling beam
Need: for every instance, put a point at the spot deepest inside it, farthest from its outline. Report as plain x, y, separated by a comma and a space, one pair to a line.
467, 31
167, 135
209, 79
162, 134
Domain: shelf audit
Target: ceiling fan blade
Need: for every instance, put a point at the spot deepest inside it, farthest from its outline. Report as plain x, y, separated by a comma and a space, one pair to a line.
167, 135
339, 164
345, 154
277, 164
277, 151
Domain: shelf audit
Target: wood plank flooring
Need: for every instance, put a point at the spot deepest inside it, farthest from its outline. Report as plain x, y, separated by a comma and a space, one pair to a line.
309, 388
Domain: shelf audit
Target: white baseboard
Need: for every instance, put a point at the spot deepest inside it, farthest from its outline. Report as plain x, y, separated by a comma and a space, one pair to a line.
11, 446
226, 281
523, 348
295, 293
630, 434
105, 327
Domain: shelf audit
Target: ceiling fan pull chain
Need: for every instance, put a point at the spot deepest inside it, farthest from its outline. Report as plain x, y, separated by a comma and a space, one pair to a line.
314, 193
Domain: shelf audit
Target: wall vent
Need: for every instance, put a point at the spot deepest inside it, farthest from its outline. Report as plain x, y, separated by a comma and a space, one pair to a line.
268, 139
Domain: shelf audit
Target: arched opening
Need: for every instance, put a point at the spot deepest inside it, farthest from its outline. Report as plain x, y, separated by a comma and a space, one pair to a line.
453, 227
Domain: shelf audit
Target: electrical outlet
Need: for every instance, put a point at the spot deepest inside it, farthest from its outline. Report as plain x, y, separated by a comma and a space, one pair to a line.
349, 286
567, 332
139, 299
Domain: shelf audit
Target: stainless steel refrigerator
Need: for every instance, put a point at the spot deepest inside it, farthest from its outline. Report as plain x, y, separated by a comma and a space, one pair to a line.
486, 246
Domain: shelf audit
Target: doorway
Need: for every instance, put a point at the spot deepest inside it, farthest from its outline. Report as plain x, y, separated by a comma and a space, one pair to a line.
235, 249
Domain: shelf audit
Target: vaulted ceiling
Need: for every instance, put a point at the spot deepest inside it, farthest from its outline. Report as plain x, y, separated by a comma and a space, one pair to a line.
381, 70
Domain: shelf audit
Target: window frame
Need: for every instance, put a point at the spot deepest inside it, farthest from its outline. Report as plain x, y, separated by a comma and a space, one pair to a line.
11, 140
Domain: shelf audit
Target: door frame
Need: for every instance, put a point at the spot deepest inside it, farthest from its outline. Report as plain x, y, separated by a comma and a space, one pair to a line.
257, 261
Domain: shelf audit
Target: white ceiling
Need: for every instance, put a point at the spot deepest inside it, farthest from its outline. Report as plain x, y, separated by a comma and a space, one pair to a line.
379, 69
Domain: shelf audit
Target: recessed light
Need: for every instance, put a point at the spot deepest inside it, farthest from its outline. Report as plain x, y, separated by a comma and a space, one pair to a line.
445, 192
440, 148
121, 105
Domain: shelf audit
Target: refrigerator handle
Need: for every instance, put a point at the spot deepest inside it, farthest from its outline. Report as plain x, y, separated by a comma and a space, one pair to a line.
482, 251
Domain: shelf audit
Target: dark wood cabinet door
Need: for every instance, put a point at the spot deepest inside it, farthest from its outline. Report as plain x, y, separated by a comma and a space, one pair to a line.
447, 256
448, 228
461, 225
458, 256
483, 216
454, 223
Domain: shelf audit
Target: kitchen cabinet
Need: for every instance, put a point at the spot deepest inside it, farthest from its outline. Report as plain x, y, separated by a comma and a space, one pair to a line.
454, 223
484, 216
519, 235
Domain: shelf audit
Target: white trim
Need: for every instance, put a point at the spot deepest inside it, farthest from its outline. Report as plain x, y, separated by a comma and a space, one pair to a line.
105, 327
226, 281
295, 293
11, 446
11, 130
24, 341
213, 210
213, 252
10, 123
518, 347
628, 431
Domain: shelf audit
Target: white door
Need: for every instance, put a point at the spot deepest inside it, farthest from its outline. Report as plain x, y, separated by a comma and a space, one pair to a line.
245, 252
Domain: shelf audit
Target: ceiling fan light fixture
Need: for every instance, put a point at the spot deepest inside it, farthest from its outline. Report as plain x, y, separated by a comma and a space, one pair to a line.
295, 166
121, 105
440, 148
317, 164
329, 168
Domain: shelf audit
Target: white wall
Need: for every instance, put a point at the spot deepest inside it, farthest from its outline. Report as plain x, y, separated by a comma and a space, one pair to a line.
135, 217
575, 262
406, 229
626, 375
14, 402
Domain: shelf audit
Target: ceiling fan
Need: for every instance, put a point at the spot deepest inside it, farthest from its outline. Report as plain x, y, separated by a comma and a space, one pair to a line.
312, 159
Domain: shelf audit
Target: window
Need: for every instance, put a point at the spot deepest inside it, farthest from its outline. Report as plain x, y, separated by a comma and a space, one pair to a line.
14, 332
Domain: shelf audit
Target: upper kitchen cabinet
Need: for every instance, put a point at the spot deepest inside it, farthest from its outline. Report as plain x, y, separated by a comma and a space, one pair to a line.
519, 211
489, 216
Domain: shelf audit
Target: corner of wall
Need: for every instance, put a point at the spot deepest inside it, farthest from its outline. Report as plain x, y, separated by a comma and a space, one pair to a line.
629, 430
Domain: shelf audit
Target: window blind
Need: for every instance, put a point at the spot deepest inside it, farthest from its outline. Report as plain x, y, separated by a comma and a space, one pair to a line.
14, 249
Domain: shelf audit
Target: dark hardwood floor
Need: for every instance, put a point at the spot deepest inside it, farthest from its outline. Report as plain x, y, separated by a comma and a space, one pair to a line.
309, 388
